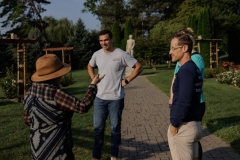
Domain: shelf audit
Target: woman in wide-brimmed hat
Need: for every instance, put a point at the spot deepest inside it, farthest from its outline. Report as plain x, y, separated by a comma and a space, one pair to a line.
48, 110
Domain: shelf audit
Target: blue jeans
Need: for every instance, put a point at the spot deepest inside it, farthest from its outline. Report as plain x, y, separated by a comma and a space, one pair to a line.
103, 108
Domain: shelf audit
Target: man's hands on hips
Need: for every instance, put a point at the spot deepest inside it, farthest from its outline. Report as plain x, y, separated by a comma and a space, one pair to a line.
173, 130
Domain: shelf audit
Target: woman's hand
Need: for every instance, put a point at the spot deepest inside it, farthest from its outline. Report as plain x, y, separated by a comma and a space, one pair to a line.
96, 79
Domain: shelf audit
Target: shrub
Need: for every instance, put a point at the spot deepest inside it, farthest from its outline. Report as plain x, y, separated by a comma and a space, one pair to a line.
210, 72
229, 77
9, 83
66, 80
226, 66
236, 78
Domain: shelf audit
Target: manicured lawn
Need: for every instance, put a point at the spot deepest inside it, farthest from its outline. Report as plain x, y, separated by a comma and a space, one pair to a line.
14, 134
222, 117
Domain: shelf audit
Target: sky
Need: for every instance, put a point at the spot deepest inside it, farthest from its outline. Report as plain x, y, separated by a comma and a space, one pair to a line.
70, 9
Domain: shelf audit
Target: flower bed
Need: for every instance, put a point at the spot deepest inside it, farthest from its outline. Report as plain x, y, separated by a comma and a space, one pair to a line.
230, 74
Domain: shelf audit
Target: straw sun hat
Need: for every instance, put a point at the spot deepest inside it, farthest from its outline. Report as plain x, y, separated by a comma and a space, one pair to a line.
49, 67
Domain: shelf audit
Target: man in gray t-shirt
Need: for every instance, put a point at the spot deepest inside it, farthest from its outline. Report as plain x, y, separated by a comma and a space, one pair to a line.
111, 62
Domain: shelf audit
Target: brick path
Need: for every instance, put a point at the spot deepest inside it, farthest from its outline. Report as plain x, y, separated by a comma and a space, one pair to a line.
145, 122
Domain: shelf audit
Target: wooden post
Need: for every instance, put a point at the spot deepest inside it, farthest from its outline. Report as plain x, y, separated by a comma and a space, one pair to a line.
199, 49
18, 74
24, 68
211, 54
217, 54
70, 61
63, 56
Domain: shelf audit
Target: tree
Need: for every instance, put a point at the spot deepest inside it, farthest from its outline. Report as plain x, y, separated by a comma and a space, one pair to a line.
128, 30
226, 25
23, 15
188, 7
6, 54
116, 31
34, 50
205, 29
161, 35
82, 46
94, 35
145, 14
107, 11
59, 31
192, 22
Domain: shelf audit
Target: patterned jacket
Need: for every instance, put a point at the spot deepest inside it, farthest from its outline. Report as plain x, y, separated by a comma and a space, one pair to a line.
48, 111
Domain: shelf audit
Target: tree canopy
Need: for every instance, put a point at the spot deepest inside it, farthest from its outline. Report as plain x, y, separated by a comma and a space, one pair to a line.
22, 15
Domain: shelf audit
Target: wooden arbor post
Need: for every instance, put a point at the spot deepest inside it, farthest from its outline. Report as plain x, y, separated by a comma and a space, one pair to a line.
21, 63
213, 49
63, 49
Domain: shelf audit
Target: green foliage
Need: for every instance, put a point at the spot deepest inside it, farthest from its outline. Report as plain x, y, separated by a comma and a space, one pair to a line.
230, 74
9, 83
116, 31
229, 77
128, 30
205, 29
107, 11
14, 135
192, 22
66, 80
187, 8
34, 50
21, 16
94, 35
222, 115
59, 31
145, 14
83, 46
160, 37
6, 54
210, 73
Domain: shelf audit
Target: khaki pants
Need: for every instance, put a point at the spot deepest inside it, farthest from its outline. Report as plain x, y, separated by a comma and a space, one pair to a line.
184, 145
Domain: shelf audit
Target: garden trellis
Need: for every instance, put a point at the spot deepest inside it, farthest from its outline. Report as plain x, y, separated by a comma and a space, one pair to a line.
21, 62
64, 54
213, 49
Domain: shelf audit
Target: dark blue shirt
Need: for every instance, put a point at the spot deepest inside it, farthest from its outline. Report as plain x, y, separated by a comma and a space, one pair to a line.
187, 88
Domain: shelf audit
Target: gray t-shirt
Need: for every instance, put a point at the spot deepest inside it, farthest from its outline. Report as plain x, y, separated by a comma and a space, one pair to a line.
112, 65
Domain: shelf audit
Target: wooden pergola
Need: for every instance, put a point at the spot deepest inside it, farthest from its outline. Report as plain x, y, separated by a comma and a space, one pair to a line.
63, 49
21, 63
213, 49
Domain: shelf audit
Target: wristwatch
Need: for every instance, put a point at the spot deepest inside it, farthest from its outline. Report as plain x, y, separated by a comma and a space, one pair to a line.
126, 81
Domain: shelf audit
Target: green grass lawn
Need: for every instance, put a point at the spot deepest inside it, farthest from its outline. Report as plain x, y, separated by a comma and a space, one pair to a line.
14, 134
222, 117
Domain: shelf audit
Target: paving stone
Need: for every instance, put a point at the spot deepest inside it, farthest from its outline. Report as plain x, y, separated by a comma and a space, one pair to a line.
145, 123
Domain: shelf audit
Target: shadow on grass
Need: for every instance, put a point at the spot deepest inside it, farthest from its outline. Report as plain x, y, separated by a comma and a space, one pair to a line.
219, 123
75, 90
165, 68
85, 140
4, 102
148, 73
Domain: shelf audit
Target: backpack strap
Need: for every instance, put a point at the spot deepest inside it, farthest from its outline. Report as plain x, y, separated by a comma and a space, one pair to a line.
194, 53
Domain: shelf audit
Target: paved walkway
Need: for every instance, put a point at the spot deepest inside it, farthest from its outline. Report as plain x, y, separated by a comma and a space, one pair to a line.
145, 123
